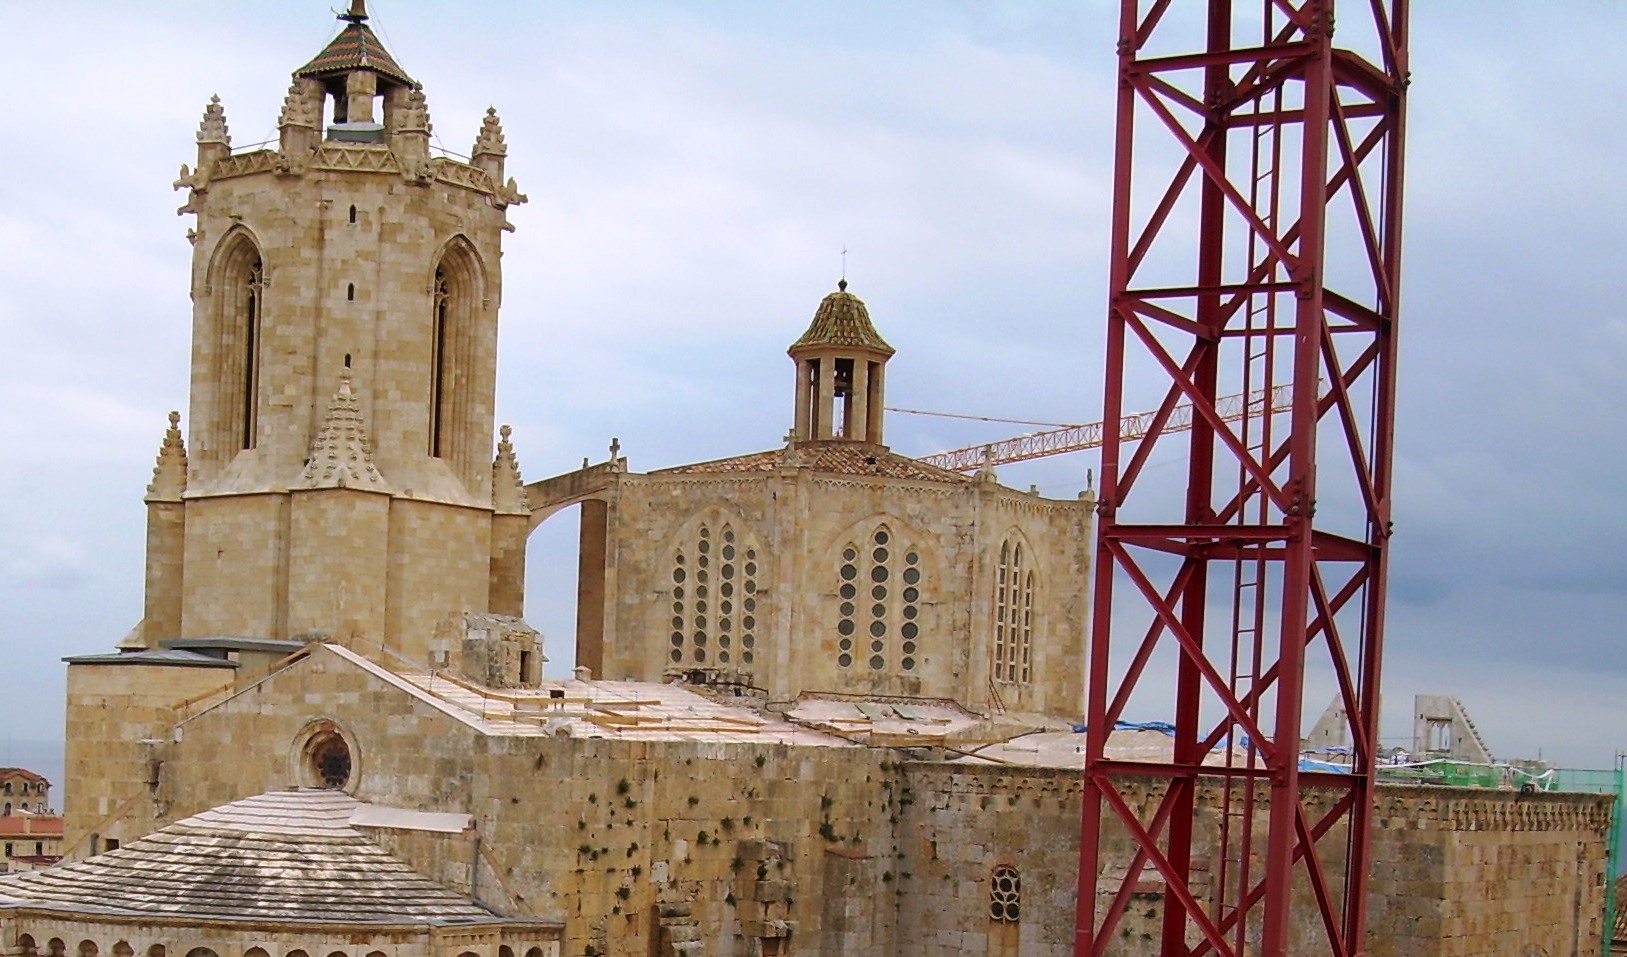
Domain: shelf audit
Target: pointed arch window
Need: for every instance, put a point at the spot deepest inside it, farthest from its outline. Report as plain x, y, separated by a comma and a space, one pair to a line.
879, 603
714, 599
456, 363
1013, 651
235, 344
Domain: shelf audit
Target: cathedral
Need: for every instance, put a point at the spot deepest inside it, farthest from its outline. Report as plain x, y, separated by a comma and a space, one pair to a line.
826, 695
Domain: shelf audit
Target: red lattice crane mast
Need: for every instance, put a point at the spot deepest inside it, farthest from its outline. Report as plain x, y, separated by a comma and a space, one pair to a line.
1256, 244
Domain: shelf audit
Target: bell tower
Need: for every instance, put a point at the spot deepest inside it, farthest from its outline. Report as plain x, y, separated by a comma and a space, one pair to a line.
338, 475
841, 365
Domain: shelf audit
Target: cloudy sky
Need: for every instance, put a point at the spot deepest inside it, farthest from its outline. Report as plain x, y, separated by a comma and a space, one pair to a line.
695, 171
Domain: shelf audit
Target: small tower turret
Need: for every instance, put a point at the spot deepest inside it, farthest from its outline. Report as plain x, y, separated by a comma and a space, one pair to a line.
354, 69
299, 126
214, 142
841, 364
490, 149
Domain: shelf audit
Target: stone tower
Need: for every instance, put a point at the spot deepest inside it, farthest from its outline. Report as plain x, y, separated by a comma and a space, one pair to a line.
841, 364
338, 476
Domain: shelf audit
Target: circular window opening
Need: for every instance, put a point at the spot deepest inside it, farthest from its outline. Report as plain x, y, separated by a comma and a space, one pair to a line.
329, 759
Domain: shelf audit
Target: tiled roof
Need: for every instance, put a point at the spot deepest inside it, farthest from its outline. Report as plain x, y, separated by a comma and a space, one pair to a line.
842, 320
355, 47
837, 456
31, 825
11, 774
287, 855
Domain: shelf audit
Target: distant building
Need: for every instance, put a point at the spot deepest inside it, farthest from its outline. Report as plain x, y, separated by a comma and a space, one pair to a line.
30, 830
22, 790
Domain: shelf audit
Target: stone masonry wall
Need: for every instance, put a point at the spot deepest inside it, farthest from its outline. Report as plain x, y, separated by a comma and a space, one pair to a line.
111, 711
797, 523
656, 846
1457, 872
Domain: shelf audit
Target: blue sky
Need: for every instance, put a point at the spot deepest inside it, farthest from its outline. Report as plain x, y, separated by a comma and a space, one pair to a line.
694, 172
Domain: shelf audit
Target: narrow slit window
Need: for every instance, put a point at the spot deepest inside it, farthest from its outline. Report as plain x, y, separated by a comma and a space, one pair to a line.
253, 291
437, 381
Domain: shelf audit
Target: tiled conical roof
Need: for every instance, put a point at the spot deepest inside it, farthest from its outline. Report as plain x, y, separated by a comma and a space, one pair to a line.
356, 47
842, 320
286, 855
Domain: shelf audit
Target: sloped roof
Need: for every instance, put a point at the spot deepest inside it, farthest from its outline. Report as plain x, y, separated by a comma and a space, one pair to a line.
25, 824
13, 773
356, 47
837, 456
842, 320
165, 656
285, 856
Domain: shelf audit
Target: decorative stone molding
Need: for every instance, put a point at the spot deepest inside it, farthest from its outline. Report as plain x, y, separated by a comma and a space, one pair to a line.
367, 159
454, 173
245, 164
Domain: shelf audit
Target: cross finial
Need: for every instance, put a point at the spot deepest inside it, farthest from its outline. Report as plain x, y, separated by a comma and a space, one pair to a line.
615, 448
844, 265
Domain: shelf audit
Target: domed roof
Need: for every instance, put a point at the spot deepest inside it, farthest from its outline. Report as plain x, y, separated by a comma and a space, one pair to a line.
287, 855
842, 320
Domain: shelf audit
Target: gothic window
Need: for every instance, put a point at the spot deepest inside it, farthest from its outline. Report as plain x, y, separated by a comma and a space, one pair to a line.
1013, 616
250, 294
451, 373
879, 590
1005, 895
237, 285
437, 362
714, 599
